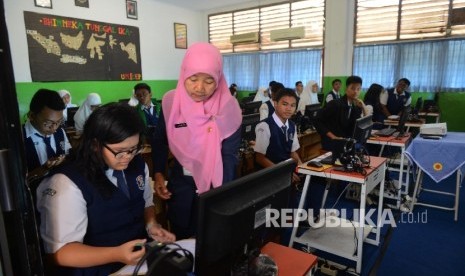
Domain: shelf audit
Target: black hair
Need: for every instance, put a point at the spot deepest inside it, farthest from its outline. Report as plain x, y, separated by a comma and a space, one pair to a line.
46, 98
142, 86
404, 80
353, 79
372, 95
276, 86
271, 83
233, 85
109, 124
298, 82
335, 80
285, 92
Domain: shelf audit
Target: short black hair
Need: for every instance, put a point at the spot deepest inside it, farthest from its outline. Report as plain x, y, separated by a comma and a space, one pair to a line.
271, 83
335, 80
46, 98
297, 83
142, 86
353, 79
285, 92
404, 80
275, 87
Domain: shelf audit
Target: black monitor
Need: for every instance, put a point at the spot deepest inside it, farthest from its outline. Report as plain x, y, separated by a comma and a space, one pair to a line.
123, 100
418, 106
362, 129
402, 120
232, 218
430, 106
249, 122
71, 111
308, 120
247, 99
251, 107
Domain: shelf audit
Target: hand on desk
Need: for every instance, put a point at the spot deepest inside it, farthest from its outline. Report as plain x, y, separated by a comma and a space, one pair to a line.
159, 234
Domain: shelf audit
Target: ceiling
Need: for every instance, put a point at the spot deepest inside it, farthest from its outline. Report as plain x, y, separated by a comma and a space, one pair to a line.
201, 5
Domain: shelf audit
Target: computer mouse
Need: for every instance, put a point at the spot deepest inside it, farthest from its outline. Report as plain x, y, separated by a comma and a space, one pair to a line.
315, 164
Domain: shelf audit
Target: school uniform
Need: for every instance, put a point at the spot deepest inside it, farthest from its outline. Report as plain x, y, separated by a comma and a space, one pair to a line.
266, 109
332, 95
396, 102
182, 205
36, 148
338, 117
276, 140
73, 210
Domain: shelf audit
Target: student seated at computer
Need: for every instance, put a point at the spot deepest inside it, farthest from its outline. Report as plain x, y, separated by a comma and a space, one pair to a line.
276, 136
262, 95
44, 138
308, 96
66, 96
394, 101
373, 104
267, 108
90, 104
337, 118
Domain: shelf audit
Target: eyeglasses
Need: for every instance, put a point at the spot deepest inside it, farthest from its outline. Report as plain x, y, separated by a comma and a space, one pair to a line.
121, 154
50, 124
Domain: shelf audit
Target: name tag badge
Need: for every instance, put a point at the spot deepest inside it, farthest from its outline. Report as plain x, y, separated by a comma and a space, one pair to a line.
180, 125
186, 172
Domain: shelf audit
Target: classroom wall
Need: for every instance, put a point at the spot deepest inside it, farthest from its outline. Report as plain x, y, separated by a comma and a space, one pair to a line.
160, 59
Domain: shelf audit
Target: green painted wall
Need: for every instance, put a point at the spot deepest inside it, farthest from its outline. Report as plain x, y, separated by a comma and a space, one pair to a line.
108, 90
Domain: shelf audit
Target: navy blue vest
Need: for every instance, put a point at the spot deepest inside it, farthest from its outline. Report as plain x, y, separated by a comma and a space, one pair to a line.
279, 149
335, 97
112, 220
31, 155
270, 108
396, 104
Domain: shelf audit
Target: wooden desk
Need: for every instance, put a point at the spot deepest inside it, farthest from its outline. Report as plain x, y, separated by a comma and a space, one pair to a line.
310, 145
435, 115
339, 240
290, 261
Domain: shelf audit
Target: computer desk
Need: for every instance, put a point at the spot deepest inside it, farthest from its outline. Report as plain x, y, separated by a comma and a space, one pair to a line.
340, 240
435, 115
290, 261
408, 124
402, 143
439, 159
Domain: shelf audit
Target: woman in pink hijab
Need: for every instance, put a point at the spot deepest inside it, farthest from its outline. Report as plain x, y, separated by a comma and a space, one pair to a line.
200, 123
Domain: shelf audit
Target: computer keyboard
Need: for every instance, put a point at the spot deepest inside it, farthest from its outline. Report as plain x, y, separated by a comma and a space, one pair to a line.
386, 132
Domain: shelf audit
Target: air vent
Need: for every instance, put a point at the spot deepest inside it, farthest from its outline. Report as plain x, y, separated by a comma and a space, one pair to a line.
244, 38
287, 34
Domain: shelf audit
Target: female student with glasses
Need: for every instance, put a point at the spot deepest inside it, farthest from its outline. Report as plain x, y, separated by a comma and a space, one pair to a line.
98, 206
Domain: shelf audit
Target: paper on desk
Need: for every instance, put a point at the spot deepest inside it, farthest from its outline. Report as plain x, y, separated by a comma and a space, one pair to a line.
127, 270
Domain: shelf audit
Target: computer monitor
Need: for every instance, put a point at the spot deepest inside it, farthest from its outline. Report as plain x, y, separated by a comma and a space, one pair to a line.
310, 114
247, 99
232, 218
123, 100
71, 111
362, 129
251, 107
402, 120
418, 106
249, 122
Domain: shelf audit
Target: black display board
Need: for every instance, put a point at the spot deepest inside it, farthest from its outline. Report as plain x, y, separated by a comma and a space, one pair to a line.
71, 49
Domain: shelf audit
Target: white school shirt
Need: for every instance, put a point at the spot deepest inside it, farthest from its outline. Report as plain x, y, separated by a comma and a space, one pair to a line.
63, 212
262, 134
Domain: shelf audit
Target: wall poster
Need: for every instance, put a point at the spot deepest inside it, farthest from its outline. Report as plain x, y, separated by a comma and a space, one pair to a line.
70, 49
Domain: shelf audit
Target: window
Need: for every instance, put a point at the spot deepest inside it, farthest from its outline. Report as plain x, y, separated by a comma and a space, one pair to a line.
307, 13
391, 20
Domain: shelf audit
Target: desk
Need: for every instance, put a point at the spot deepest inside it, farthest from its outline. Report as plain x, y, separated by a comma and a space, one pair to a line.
408, 124
439, 159
290, 261
401, 142
435, 115
340, 240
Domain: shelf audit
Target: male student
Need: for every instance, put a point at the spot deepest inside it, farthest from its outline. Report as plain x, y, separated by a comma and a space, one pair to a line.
334, 94
147, 107
276, 136
393, 102
45, 140
337, 118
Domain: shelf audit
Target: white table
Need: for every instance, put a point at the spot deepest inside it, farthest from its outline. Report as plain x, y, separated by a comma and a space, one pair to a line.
340, 240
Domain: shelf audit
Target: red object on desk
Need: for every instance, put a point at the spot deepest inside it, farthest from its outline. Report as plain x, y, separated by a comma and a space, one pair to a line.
290, 261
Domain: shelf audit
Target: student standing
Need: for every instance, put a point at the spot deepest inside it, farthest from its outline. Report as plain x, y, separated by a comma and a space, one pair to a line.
95, 208
147, 108
200, 122
45, 140
337, 118
276, 136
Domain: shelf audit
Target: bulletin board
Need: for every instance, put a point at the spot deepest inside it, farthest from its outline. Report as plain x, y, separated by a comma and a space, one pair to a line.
71, 49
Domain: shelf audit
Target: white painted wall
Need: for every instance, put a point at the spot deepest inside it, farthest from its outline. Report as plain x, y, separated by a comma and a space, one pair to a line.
160, 60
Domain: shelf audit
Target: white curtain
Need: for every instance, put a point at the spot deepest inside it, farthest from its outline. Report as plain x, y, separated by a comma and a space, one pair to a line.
431, 66
253, 70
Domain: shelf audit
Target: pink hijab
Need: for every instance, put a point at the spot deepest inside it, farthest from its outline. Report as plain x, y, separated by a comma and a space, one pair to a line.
196, 129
